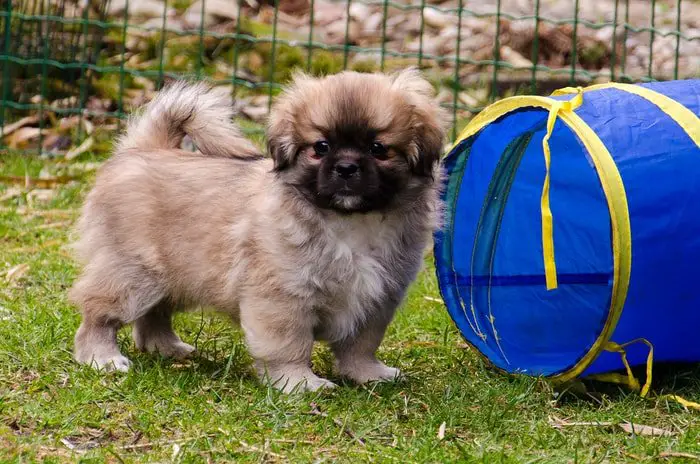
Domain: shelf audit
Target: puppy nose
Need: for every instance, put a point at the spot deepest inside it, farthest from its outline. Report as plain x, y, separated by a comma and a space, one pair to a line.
346, 169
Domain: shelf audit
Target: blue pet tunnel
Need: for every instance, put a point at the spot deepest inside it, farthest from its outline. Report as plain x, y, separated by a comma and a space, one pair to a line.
571, 240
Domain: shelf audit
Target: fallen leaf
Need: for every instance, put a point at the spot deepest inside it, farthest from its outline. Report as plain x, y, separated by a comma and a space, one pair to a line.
68, 444
515, 58
176, 451
10, 128
68, 123
16, 272
645, 430
11, 193
22, 135
215, 9
54, 225
441, 431
144, 8
82, 148
88, 126
41, 195
41, 182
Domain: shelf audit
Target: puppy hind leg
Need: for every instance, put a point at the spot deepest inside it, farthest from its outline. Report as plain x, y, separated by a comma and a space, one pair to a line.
96, 338
105, 308
153, 332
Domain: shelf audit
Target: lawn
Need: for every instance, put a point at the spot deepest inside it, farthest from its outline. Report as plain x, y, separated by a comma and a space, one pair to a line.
451, 407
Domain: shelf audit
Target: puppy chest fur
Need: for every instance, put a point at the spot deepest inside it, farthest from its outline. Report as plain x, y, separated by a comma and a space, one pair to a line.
357, 266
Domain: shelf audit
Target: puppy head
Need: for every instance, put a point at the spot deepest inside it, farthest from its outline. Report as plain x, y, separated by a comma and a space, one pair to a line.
355, 142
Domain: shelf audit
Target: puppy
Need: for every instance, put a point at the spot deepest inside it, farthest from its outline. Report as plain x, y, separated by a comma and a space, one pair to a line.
318, 243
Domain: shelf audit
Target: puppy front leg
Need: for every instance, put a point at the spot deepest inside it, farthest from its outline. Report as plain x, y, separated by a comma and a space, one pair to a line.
280, 338
355, 355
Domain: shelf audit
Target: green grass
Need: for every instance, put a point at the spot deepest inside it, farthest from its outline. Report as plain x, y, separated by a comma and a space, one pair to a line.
212, 409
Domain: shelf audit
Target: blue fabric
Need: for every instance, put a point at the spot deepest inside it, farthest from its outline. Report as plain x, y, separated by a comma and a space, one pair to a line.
489, 255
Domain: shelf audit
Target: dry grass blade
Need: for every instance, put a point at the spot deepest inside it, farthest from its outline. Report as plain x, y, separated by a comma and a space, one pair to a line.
675, 454
55, 225
255, 449
80, 149
11, 193
645, 430
558, 423
40, 182
16, 272
636, 429
10, 128
22, 135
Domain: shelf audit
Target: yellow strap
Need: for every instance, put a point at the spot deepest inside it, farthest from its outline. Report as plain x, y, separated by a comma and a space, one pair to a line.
682, 401
550, 266
685, 118
631, 382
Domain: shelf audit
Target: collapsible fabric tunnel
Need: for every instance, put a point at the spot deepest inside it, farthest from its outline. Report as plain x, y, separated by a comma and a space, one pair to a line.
572, 230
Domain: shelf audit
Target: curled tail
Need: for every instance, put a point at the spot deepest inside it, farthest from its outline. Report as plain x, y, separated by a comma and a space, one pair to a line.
194, 109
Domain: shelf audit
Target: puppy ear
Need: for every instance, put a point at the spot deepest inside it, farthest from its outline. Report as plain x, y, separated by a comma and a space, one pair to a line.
410, 80
280, 159
281, 129
280, 145
429, 119
429, 140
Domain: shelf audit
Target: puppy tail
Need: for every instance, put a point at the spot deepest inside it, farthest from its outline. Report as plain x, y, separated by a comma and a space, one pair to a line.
195, 109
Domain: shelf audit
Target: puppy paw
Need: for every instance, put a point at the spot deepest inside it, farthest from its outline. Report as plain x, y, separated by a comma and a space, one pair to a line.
370, 371
178, 350
106, 363
166, 344
307, 384
295, 380
169, 348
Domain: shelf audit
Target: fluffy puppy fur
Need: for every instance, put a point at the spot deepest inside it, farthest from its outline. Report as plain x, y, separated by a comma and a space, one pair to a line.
318, 243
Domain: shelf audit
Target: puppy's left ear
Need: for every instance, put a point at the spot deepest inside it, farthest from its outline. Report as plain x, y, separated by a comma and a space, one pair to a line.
430, 136
429, 119
410, 80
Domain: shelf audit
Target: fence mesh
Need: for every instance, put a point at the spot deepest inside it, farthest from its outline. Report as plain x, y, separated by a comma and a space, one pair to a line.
72, 69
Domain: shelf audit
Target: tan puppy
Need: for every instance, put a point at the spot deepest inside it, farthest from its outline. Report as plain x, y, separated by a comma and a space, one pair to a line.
318, 243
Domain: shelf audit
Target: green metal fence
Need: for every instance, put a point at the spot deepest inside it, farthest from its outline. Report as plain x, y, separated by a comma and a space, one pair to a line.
72, 69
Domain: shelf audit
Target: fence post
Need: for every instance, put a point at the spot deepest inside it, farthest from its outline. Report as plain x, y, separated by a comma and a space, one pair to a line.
5, 67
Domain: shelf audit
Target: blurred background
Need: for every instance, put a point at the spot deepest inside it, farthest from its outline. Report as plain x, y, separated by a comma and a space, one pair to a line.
73, 69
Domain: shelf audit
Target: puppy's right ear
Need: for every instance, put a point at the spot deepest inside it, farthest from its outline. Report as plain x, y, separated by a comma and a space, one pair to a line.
281, 130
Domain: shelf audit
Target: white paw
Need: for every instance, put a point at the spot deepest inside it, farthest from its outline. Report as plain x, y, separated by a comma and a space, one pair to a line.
171, 349
296, 383
111, 363
168, 345
179, 350
307, 384
374, 371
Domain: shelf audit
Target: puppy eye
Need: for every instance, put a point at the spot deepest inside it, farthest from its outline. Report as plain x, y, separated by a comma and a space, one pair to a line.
378, 150
322, 148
